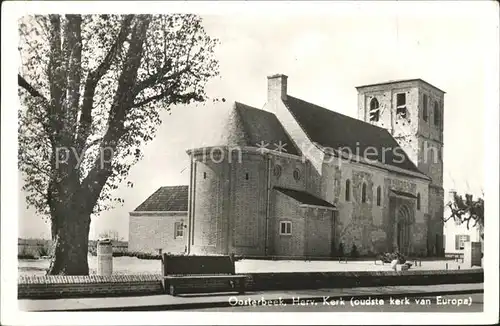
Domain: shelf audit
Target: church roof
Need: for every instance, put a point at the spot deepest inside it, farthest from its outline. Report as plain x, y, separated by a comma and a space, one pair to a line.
334, 130
249, 126
169, 199
304, 197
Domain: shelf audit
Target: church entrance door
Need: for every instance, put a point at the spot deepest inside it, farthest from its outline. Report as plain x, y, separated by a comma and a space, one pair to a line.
403, 230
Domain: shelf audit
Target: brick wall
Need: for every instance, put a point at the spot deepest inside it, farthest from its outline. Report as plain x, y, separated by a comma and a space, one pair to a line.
248, 184
319, 232
151, 231
287, 209
208, 196
316, 280
52, 287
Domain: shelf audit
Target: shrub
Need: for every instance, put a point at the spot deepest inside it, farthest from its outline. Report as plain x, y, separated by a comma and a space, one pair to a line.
388, 257
26, 253
93, 250
140, 255
26, 256
354, 251
43, 251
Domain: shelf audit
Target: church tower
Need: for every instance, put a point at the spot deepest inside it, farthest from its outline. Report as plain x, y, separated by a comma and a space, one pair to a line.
412, 111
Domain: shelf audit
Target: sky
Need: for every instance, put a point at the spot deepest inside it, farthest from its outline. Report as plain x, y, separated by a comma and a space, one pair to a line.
325, 56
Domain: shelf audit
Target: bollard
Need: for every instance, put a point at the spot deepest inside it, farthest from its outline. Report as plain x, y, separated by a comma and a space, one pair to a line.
104, 257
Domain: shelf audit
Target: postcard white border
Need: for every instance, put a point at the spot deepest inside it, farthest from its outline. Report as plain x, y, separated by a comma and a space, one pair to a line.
9, 224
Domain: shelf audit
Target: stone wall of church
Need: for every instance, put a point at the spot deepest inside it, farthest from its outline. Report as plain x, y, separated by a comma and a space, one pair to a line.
208, 194
248, 204
431, 160
230, 207
229, 203
319, 232
366, 224
403, 129
414, 133
282, 172
427, 128
435, 221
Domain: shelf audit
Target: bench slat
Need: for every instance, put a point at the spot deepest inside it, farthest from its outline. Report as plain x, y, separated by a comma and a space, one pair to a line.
197, 265
187, 274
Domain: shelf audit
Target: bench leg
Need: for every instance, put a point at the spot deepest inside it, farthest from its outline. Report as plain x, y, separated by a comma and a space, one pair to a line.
241, 287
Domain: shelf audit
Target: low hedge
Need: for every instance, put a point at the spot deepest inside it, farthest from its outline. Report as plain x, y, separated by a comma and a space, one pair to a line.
140, 255
26, 256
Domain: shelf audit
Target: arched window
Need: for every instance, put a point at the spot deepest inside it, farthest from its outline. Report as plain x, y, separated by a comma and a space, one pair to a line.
348, 190
418, 201
401, 111
296, 174
379, 195
363, 193
374, 110
425, 114
437, 117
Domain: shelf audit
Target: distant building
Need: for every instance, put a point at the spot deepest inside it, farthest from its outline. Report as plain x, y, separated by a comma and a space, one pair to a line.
160, 222
296, 179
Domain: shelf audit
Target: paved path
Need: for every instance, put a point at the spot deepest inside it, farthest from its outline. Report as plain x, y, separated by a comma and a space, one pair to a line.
167, 302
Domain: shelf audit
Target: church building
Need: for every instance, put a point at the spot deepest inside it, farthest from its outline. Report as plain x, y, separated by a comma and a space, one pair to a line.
297, 179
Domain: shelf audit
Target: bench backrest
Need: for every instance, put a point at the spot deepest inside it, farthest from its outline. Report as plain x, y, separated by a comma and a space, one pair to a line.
197, 265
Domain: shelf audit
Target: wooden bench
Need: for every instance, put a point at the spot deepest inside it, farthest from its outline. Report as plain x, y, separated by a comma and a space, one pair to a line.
200, 274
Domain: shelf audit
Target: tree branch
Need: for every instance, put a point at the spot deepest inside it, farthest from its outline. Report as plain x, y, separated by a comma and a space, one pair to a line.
33, 92
21, 82
153, 79
93, 79
122, 102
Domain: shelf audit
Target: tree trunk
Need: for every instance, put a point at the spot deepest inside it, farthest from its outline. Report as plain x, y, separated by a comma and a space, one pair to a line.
71, 242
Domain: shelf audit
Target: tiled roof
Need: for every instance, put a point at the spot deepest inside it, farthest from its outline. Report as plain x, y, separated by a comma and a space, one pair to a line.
248, 126
304, 197
404, 194
334, 130
171, 198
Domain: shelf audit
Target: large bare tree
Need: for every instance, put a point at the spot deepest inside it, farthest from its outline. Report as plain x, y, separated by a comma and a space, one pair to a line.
91, 89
